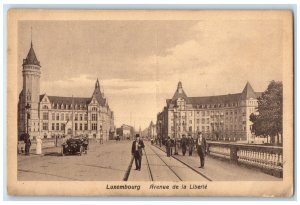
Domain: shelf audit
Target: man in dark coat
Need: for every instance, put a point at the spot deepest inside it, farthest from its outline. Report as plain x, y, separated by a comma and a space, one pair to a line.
191, 145
183, 144
27, 142
137, 152
201, 148
168, 147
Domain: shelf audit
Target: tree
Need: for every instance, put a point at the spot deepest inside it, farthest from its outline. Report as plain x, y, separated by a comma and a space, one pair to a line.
268, 121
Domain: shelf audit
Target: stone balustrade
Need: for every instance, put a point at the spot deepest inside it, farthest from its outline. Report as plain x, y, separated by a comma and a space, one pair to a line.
268, 159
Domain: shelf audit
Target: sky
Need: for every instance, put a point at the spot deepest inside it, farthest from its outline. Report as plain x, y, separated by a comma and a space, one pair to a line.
139, 63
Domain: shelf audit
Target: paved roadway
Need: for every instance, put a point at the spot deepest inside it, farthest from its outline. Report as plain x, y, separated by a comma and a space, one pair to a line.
110, 162
105, 162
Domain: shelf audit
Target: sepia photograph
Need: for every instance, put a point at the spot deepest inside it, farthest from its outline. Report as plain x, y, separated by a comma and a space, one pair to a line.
150, 103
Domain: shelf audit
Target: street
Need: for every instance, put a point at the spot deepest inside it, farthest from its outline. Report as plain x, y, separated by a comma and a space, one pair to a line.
105, 162
111, 161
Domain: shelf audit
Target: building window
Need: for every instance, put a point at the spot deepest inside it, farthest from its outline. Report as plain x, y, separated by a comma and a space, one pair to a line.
57, 116
85, 117
203, 128
81, 118
86, 126
203, 120
62, 116
45, 126
76, 116
207, 128
53, 116
94, 117
57, 126
45, 107
197, 128
45, 116
67, 116
80, 126
53, 126
94, 126
203, 113
76, 126
190, 128
63, 126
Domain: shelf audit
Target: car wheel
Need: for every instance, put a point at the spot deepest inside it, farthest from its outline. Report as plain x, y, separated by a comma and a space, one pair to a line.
81, 150
62, 151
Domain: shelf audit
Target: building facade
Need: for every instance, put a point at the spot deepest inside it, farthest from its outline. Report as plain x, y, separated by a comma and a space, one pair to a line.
222, 117
125, 132
49, 116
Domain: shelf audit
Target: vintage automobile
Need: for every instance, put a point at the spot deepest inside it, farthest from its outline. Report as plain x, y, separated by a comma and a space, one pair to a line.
74, 145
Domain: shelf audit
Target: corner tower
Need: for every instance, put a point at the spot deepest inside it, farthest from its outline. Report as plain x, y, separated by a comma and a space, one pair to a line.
30, 95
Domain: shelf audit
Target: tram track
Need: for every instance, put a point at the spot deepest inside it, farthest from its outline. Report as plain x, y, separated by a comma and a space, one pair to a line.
151, 169
192, 168
169, 167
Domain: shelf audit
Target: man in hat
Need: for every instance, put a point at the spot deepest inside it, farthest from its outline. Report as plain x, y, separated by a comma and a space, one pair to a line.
201, 147
137, 152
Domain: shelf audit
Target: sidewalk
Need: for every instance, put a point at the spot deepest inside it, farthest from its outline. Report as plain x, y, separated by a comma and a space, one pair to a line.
222, 170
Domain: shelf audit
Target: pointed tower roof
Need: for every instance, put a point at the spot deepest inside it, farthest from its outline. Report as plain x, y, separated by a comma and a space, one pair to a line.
179, 93
248, 92
31, 58
98, 95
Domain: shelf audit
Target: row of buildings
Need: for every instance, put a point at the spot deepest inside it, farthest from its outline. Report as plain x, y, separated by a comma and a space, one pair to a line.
48, 116
222, 117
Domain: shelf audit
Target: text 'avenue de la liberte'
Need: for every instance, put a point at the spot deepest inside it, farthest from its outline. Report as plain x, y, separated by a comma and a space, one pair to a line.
157, 187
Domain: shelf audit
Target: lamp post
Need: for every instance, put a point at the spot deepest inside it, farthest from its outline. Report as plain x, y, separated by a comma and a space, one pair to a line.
175, 129
160, 131
27, 107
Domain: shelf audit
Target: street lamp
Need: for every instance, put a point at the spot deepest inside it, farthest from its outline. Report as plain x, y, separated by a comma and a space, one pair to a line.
160, 132
27, 107
175, 129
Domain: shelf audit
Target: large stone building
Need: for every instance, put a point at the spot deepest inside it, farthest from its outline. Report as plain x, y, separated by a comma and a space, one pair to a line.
48, 116
222, 117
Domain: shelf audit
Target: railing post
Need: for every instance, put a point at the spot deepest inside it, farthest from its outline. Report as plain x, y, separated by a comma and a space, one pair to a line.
233, 154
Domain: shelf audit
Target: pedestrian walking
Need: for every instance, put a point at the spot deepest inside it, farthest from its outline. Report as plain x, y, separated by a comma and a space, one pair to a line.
168, 147
183, 144
27, 142
191, 145
201, 147
39, 143
136, 151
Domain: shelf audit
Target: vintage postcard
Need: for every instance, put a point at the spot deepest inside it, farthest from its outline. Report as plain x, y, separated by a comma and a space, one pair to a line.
150, 103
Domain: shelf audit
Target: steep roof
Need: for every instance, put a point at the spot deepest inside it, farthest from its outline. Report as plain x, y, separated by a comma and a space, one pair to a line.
31, 58
248, 92
69, 100
98, 95
179, 93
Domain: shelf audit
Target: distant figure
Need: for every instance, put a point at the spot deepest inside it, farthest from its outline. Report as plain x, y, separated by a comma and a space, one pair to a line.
183, 144
136, 151
38, 145
201, 147
169, 147
172, 145
190, 145
27, 142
